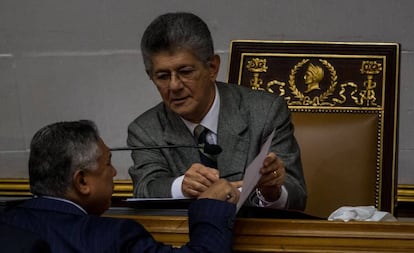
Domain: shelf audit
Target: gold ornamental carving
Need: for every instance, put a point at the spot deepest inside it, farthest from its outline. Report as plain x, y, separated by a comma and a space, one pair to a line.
256, 66
310, 92
301, 98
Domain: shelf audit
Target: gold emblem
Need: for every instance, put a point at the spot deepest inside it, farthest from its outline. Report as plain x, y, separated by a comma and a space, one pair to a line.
313, 76
308, 84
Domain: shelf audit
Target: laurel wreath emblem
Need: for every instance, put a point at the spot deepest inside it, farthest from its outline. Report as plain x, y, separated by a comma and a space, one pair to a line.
316, 100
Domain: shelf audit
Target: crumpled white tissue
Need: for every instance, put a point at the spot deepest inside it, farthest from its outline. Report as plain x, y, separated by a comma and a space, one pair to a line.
360, 213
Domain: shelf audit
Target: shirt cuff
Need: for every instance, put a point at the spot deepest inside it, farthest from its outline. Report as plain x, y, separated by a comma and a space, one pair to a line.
176, 191
278, 204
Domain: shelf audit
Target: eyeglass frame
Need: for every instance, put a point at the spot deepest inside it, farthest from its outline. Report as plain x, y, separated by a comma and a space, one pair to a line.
180, 74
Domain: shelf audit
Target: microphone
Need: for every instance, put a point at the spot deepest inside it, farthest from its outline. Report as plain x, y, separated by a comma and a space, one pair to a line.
211, 149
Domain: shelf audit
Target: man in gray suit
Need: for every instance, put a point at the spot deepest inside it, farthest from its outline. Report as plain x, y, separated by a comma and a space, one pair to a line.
179, 58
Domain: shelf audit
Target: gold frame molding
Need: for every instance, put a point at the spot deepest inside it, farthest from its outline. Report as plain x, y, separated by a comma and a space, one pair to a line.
20, 187
405, 193
123, 189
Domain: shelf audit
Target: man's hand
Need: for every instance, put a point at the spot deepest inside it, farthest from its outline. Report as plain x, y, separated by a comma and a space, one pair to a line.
197, 179
273, 177
223, 190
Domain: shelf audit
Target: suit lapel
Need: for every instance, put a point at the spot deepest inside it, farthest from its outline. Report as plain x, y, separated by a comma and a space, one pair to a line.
232, 133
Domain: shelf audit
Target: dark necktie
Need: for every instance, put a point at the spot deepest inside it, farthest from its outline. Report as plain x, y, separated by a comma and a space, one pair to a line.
200, 133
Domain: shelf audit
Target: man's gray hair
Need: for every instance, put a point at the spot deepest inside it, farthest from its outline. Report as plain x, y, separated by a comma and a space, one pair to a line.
57, 151
172, 31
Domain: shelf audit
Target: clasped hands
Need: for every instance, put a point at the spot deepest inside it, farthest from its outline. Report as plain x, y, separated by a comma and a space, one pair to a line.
204, 182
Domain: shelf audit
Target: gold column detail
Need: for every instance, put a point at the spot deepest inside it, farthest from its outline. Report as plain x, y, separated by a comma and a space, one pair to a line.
369, 68
256, 66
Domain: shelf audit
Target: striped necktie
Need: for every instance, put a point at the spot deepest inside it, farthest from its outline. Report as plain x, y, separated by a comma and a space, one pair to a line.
200, 134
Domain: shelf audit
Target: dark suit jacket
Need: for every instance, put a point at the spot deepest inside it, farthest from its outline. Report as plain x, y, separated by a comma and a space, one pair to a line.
17, 240
246, 118
67, 229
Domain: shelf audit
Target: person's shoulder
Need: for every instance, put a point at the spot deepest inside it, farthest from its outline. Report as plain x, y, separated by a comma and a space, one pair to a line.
111, 224
16, 239
148, 116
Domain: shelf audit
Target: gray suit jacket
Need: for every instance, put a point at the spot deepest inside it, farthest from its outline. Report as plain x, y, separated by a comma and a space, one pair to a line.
246, 118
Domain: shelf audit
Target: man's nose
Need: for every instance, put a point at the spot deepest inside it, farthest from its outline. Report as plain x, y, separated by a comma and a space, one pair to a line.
175, 81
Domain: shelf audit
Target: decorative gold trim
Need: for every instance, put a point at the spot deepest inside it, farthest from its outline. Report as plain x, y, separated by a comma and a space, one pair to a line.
304, 99
405, 193
20, 187
318, 42
362, 95
14, 187
123, 188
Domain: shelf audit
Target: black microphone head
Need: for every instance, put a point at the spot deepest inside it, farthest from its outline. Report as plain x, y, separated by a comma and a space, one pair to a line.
212, 149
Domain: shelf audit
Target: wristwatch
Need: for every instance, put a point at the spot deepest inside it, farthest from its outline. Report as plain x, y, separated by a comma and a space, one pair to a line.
262, 198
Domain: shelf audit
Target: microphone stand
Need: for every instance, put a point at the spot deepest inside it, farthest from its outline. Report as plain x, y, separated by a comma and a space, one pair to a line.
155, 147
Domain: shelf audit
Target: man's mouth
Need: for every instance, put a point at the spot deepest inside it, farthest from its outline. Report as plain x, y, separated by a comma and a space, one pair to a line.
178, 100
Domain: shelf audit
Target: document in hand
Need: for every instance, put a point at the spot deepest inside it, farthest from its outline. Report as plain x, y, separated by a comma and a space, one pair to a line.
252, 174
250, 179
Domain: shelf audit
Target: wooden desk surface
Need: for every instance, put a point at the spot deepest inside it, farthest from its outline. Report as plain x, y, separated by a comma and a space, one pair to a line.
289, 235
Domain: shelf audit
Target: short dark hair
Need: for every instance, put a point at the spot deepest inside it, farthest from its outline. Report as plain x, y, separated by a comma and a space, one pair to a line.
172, 31
56, 151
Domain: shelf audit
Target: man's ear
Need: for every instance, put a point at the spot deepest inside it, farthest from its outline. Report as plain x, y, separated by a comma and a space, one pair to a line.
214, 66
80, 182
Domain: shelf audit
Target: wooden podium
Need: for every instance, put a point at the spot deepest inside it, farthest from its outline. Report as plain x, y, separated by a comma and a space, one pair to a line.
290, 235
278, 231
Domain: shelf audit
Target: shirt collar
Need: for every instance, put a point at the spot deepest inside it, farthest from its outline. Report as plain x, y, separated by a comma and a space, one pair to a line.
65, 200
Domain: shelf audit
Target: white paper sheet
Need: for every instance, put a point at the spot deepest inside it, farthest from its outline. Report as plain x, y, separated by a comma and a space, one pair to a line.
252, 174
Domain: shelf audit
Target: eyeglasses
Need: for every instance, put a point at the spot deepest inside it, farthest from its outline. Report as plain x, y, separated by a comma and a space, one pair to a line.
185, 74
